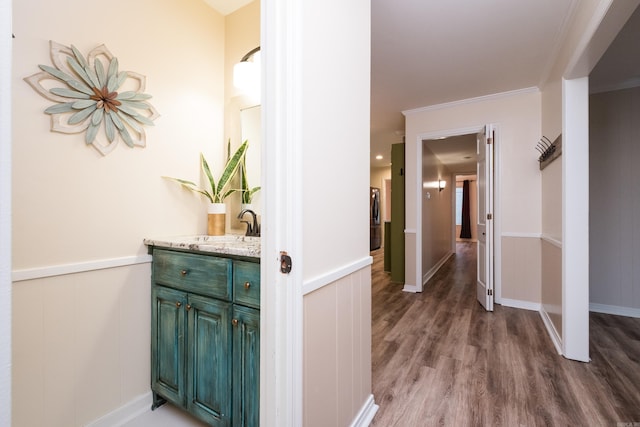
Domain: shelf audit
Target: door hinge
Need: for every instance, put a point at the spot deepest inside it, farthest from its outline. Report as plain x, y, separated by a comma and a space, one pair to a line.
489, 141
489, 216
490, 292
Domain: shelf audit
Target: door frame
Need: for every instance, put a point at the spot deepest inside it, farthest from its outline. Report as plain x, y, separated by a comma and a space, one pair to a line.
5, 211
497, 224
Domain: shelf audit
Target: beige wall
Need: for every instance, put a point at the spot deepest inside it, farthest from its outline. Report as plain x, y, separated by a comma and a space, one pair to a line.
335, 161
334, 139
552, 183
517, 210
551, 295
521, 264
337, 347
242, 114
80, 341
614, 216
437, 214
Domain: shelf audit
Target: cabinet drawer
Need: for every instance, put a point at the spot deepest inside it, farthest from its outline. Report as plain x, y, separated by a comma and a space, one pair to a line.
246, 283
201, 274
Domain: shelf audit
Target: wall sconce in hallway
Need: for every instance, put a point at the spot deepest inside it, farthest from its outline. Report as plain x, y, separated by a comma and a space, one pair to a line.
247, 74
441, 184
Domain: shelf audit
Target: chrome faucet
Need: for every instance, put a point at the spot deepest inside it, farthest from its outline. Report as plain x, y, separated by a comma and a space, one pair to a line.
253, 229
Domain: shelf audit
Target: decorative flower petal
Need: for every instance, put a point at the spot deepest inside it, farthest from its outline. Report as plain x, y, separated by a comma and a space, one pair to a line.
81, 115
80, 105
102, 77
129, 121
109, 127
116, 120
80, 71
92, 131
60, 108
85, 90
126, 137
68, 93
96, 118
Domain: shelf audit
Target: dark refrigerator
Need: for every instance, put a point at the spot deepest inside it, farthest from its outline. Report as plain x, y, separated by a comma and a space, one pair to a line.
375, 235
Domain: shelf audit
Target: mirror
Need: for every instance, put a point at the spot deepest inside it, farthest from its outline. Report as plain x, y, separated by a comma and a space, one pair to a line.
251, 130
246, 124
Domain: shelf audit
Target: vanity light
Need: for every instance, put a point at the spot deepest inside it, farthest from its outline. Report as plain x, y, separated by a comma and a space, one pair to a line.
441, 184
247, 74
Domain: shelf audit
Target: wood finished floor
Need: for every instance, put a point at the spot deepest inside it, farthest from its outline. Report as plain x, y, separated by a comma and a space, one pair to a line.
440, 360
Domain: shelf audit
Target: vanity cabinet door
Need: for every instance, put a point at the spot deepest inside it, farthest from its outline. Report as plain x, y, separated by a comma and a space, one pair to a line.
246, 367
209, 363
168, 344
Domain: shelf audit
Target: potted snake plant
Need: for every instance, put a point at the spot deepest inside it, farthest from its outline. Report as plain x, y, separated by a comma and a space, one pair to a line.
219, 189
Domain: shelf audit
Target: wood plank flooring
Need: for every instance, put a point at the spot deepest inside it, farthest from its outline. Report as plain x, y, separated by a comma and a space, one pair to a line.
440, 360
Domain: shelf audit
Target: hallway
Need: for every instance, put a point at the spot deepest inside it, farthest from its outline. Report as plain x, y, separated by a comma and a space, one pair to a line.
438, 359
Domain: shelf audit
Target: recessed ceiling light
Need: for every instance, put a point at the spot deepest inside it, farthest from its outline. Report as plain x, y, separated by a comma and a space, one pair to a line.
379, 157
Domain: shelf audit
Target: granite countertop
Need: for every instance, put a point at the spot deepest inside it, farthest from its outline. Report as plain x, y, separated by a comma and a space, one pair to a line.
230, 244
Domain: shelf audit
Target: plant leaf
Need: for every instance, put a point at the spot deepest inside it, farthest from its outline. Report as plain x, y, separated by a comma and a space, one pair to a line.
192, 186
232, 165
205, 168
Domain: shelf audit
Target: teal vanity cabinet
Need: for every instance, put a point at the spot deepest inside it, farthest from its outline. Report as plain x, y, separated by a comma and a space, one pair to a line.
205, 335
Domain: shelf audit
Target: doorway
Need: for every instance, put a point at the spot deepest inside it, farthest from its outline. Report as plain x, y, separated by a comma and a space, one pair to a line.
443, 159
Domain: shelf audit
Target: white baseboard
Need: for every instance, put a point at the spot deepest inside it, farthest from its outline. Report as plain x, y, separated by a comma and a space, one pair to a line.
435, 268
366, 414
615, 310
514, 303
553, 333
126, 413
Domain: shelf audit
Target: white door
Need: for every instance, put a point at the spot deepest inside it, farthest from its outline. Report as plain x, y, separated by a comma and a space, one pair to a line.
485, 218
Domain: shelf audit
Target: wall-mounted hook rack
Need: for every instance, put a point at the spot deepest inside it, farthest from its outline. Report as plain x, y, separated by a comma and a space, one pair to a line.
549, 151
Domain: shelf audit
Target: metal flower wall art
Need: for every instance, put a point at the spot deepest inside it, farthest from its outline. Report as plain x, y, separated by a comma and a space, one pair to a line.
93, 96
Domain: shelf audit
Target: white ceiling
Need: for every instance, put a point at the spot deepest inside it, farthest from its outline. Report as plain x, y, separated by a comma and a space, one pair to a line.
429, 52
432, 52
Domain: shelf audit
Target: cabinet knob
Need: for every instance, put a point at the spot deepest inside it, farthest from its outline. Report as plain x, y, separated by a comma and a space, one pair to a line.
234, 322
178, 304
184, 272
247, 285
188, 307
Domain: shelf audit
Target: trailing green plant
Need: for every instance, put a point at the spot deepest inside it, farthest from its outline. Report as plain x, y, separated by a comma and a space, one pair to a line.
245, 190
218, 190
